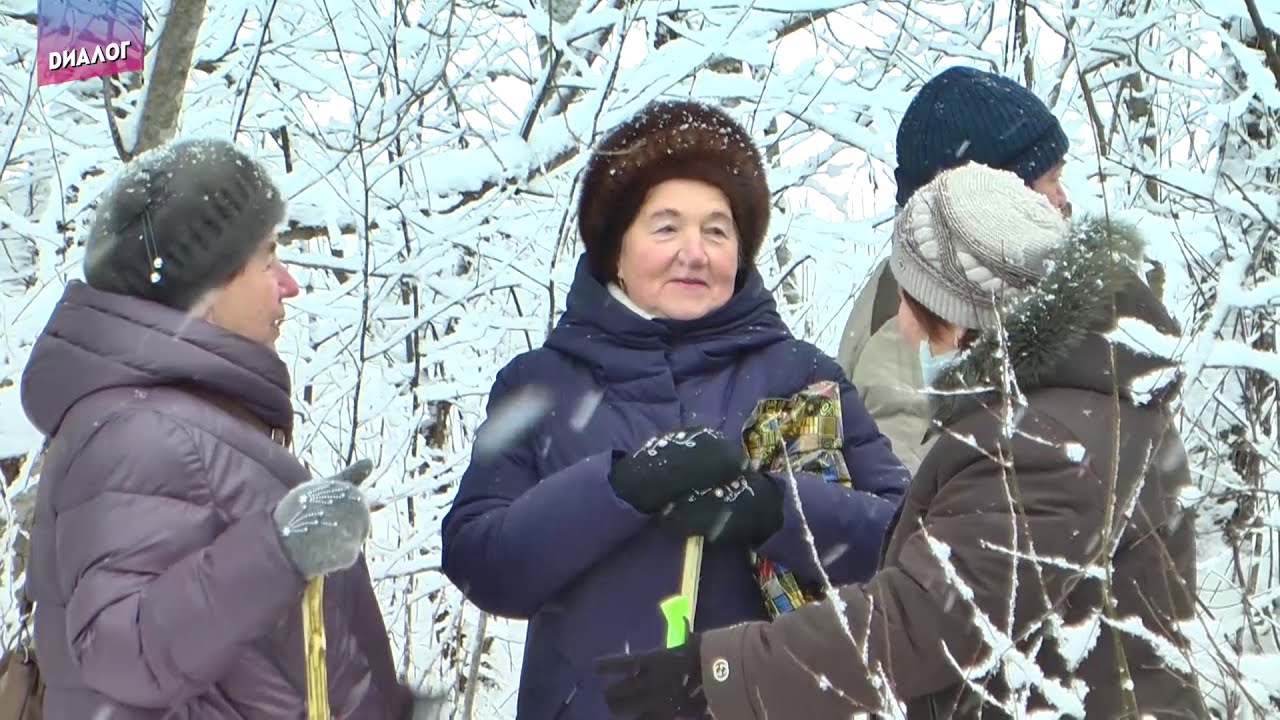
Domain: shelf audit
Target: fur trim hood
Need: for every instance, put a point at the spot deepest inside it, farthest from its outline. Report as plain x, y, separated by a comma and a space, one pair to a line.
1055, 336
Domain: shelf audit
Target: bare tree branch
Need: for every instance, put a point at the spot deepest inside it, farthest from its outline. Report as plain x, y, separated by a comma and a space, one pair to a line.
107, 92
1265, 39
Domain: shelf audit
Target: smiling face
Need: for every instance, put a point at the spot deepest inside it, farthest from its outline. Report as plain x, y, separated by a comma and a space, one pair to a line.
679, 257
252, 303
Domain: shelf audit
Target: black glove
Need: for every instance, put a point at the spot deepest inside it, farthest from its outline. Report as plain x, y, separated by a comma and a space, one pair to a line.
323, 523
744, 512
674, 464
659, 685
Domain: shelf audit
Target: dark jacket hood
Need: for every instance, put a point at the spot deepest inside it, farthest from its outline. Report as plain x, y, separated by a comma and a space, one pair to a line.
620, 345
96, 340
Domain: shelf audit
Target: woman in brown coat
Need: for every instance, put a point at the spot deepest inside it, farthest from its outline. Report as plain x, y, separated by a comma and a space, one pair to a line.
1041, 559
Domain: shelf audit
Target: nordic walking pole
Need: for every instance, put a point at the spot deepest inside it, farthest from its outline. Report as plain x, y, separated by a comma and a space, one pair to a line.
313, 642
314, 649
679, 609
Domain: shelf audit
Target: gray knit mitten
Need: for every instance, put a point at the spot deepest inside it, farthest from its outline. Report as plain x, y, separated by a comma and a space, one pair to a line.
323, 523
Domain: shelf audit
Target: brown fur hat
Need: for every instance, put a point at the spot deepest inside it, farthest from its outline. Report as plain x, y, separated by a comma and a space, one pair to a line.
665, 141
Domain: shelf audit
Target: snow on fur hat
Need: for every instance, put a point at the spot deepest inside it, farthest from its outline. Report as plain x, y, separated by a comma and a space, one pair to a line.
179, 221
670, 140
972, 239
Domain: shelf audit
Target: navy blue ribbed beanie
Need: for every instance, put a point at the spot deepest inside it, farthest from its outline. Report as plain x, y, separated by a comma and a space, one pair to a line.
968, 115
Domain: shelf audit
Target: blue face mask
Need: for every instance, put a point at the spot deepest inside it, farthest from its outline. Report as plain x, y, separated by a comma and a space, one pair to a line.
932, 365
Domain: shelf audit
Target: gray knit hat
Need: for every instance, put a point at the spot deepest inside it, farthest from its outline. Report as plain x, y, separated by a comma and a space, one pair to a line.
971, 240
179, 221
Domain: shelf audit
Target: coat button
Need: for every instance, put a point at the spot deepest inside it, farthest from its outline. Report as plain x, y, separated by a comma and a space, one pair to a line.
720, 669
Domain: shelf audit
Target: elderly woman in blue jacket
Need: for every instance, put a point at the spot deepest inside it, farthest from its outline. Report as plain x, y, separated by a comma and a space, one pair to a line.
578, 524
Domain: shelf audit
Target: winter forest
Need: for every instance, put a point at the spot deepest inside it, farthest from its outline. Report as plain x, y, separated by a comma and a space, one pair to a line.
430, 152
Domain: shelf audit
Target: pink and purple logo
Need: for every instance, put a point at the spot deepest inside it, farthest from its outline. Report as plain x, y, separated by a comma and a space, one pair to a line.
82, 39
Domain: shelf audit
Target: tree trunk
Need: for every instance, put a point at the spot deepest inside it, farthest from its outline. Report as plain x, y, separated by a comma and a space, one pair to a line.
162, 104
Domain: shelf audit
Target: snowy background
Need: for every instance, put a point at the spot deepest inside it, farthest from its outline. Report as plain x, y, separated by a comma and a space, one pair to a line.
431, 150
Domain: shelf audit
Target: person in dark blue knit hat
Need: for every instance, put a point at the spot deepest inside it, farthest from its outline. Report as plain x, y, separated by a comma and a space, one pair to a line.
966, 115
959, 116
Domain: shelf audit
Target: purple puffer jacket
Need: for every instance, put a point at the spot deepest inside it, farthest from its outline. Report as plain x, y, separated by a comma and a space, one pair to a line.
161, 588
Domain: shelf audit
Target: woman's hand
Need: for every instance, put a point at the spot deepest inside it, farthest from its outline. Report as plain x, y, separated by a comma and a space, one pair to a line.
659, 685
746, 511
671, 466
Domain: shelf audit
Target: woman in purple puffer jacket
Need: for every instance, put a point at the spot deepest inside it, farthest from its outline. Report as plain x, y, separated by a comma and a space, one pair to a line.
174, 531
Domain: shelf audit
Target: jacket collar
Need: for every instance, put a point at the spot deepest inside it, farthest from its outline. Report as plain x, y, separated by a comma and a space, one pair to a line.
617, 293
604, 331
96, 340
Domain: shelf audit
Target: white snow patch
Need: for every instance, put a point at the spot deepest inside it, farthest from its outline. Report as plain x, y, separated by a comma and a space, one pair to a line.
585, 410
1076, 641
515, 416
1190, 496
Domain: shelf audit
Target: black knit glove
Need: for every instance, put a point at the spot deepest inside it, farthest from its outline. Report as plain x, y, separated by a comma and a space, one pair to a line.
323, 523
659, 685
746, 511
674, 464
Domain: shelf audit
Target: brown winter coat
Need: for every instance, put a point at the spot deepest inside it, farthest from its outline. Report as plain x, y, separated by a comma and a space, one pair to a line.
1091, 471
161, 588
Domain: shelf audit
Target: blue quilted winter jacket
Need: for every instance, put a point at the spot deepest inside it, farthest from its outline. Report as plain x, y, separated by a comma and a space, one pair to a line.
536, 531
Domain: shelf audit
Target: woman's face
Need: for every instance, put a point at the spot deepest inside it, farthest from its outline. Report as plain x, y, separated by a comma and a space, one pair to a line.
252, 303
914, 330
679, 257
1050, 185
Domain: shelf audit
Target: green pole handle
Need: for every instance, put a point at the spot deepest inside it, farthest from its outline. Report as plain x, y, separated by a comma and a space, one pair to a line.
677, 610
